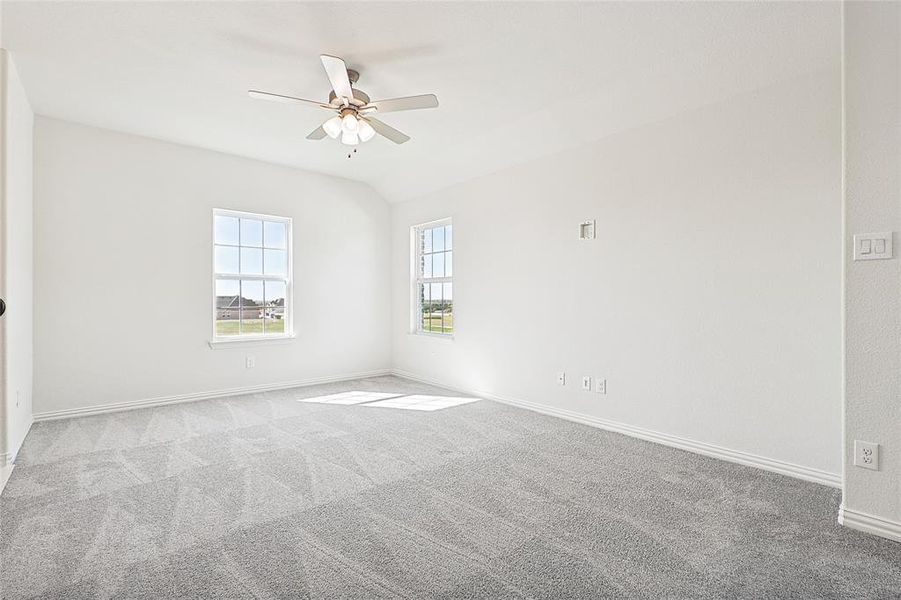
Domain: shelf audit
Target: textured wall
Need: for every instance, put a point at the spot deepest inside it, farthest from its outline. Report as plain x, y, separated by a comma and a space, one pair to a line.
873, 289
710, 300
123, 228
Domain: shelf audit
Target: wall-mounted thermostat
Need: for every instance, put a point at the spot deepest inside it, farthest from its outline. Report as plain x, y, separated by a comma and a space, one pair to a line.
586, 230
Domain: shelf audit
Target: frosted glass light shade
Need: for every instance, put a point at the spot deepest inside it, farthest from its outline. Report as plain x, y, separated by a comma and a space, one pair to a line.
350, 124
332, 127
366, 131
350, 138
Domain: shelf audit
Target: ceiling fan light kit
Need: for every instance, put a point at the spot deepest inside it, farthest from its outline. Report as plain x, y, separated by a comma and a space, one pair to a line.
353, 121
332, 127
366, 132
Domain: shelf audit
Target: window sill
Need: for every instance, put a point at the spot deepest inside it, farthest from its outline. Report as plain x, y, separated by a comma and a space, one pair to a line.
439, 336
250, 341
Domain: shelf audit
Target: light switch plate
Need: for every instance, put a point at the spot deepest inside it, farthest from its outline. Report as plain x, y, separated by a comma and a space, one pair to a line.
873, 246
586, 383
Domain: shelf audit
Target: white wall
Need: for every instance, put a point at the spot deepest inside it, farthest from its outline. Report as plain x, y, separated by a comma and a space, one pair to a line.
710, 300
872, 34
17, 264
123, 283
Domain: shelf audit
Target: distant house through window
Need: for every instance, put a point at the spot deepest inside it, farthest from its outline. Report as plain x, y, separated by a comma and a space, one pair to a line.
252, 275
433, 273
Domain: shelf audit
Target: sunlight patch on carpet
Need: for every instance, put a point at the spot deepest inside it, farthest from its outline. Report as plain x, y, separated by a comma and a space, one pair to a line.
422, 402
349, 398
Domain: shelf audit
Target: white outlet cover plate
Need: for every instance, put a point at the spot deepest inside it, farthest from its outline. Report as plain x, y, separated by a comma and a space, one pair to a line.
587, 230
586, 383
866, 455
600, 386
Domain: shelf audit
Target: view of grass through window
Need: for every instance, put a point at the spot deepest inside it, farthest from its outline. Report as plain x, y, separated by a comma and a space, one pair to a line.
252, 274
434, 281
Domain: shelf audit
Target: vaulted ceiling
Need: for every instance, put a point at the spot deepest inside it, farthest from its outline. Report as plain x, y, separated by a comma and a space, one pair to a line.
516, 81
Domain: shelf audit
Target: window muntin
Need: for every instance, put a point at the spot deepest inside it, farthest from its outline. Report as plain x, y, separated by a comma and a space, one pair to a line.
433, 272
252, 275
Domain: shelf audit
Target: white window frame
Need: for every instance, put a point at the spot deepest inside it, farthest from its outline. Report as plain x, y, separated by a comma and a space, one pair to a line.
417, 279
287, 279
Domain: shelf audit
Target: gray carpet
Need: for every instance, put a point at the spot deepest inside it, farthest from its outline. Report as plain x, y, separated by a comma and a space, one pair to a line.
263, 496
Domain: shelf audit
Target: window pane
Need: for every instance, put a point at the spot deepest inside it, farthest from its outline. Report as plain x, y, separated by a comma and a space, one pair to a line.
275, 235
445, 321
425, 317
274, 317
448, 264
275, 322
251, 232
251, 294
251, 307
427, 265
427, 240
435, 292
438, 265
225, 230
430, 318
449, 237
227, 307
275, 293
251, 260
227, 293
447, 308
226, 259
276, 262
438, 239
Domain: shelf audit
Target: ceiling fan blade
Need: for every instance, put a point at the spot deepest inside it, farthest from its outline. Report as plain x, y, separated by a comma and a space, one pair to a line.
408, 103
336, 71
281, 98
317, 134
387, 131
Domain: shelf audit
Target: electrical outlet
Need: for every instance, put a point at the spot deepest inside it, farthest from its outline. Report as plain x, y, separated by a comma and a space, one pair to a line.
600, 386
866, 455
250, 362
586, 383
561, 378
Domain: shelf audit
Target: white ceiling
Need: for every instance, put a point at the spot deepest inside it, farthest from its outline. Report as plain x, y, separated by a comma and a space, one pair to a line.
515, 80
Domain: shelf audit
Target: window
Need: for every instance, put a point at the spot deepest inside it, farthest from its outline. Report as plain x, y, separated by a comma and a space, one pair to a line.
433, 277
252, 275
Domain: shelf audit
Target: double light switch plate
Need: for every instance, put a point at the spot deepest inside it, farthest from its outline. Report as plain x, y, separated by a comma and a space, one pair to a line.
873, 246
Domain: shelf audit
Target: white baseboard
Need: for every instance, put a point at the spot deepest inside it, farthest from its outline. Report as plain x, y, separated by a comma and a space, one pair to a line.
7, 459
159, 401
6, 469
869, 523
735, 456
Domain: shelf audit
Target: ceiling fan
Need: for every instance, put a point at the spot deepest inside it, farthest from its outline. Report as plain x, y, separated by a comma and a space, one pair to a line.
353, 122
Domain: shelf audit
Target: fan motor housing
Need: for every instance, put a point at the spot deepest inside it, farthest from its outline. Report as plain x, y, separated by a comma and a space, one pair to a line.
360, 98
